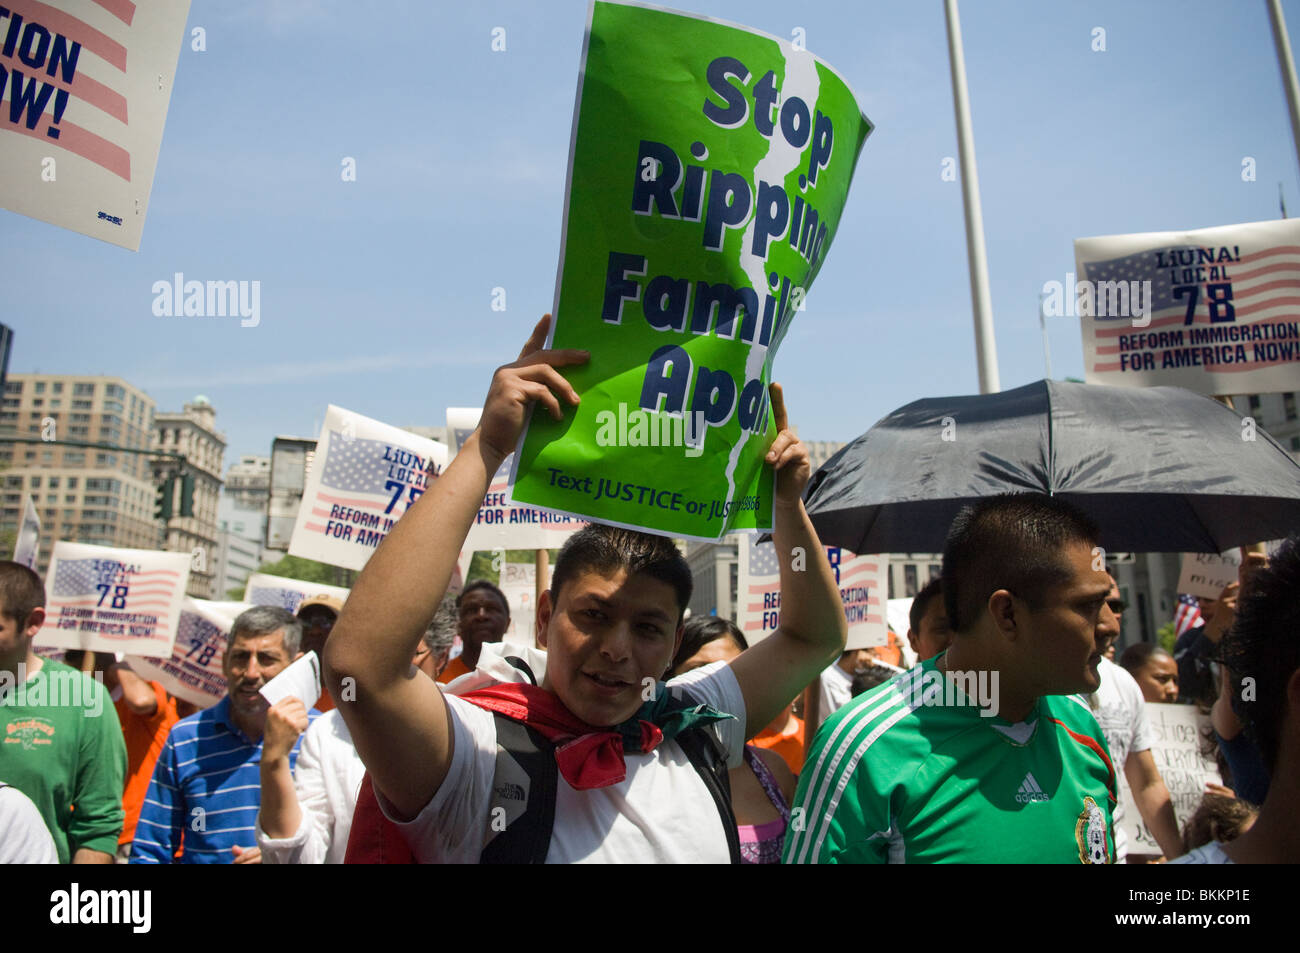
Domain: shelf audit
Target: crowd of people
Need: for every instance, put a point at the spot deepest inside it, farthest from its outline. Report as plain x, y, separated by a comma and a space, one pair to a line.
630, 733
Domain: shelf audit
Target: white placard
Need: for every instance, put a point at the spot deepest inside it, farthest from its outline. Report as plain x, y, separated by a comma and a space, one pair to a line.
301, 679
105, 599
519, 584
79, 141
193, 670
1175, 747
28, 544
1204, 575
263, 589
364, 476
1211, 310
862, 582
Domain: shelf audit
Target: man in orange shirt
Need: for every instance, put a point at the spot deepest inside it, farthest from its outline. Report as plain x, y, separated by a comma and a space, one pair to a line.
146, 713
484, 617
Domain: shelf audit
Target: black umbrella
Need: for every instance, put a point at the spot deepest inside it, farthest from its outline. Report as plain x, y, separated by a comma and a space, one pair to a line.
1161, 469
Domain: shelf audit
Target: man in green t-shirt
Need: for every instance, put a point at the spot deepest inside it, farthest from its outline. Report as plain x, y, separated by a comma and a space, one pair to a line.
60, 740
982, 754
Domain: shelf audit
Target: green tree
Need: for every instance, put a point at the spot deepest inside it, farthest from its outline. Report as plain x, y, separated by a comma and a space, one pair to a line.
1166, 637
308, 570
481, 564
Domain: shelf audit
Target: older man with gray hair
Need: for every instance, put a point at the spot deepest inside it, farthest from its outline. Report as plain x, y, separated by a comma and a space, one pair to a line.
205, 784
306, 814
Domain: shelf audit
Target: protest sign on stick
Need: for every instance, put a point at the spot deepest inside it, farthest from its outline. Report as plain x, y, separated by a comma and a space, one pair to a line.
192, 671
105, 599
364, 476
1212, 310
709, 166
86, 88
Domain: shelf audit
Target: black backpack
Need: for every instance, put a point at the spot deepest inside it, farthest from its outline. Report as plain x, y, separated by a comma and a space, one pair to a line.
525, 781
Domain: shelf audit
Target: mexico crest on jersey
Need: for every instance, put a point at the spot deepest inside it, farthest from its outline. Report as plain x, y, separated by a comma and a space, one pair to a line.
1090, 834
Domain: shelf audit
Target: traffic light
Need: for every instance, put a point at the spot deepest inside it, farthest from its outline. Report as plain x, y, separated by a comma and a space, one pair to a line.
187, 494
162, 507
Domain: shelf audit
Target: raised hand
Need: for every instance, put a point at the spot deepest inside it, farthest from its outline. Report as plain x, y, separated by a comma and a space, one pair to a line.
515, 386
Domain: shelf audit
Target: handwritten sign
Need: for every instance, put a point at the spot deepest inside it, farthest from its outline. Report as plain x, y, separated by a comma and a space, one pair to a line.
1205, 574
1176, 748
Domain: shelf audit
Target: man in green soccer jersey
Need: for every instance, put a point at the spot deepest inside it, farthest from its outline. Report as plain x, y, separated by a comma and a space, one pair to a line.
982, 754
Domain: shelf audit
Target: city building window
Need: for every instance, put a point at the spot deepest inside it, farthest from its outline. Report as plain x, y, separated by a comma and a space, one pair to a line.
72, 483
1295, 443
40, 387
1288, 405
83, 389
13, 387
54, 483
36, 482
58, 387
910, 587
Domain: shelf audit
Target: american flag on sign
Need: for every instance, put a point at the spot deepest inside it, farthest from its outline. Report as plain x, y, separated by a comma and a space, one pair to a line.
77, 582
1264, 288
1140, 266
1187, 615
356, 465
763, 580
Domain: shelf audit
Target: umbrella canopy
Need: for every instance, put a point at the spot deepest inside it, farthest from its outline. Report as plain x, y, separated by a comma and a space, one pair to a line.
1161, 469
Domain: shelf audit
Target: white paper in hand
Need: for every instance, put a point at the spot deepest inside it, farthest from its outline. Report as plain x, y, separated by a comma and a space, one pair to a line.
301, 680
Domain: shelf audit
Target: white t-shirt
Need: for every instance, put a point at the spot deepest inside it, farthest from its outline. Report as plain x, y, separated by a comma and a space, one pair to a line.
1211, 853
836, 691
661, 813
1121, 712
24, 839
327, 779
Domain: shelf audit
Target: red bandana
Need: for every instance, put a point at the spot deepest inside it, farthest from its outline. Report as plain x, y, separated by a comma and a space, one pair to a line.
588, 757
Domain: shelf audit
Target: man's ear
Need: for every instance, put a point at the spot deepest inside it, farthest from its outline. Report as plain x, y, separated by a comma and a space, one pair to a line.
544, 610
1002, 608
35, 619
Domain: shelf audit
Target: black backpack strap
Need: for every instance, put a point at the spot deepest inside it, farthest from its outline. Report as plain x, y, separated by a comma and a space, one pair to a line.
704, 751
521, 814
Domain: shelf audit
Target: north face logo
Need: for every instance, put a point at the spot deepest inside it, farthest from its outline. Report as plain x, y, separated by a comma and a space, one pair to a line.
510, 792
1030, 791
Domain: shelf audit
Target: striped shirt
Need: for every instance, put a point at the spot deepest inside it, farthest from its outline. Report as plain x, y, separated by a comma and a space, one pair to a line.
206, 790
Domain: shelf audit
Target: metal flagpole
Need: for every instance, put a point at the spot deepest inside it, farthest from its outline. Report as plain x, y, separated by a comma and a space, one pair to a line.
985, 349
1286, 63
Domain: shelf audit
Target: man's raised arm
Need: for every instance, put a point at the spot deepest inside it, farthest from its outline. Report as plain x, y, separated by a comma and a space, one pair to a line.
812, 631
396, 715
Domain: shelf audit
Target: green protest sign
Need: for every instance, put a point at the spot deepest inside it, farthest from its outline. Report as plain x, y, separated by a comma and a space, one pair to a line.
708, 169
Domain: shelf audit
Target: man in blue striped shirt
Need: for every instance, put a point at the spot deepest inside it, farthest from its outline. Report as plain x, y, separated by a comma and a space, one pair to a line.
206, 786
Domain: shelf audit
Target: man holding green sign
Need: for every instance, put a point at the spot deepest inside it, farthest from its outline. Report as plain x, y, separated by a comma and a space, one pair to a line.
708, 168
629, 789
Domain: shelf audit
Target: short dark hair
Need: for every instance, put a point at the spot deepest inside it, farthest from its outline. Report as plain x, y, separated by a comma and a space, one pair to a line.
921, 604
1012, 542
607, 549
21, 591
1137, 655
263, 620
1264, 645
699, 631
869, 678
484, 584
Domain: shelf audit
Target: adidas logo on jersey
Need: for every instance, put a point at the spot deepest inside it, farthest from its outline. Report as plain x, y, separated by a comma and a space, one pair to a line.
1030, 791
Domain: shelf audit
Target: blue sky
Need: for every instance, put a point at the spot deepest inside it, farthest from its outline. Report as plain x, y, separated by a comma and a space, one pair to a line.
376, 294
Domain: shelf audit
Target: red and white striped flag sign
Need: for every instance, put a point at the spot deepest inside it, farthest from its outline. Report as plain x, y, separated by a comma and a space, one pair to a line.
105, 599
1212, 310
193, 670
85, 86
861, 580
363, 478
